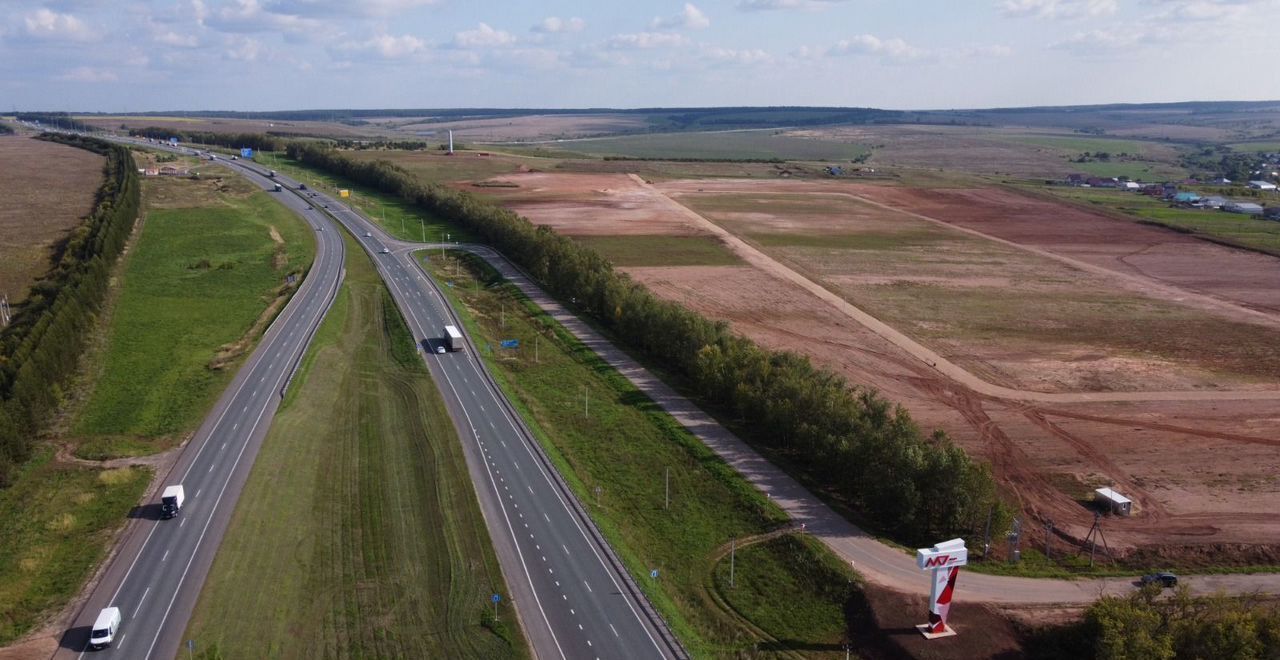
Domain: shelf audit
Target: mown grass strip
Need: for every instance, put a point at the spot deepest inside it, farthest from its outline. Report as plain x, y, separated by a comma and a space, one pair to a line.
358, 533
614, 447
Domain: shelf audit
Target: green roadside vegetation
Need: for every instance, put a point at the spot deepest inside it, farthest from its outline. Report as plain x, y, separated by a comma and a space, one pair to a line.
55, 521
656, 250
615, 454
1232, 228
1150, 625
396, 216
209, 272
358, 533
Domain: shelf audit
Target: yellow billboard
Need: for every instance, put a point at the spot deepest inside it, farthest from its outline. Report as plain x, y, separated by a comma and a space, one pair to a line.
344, 193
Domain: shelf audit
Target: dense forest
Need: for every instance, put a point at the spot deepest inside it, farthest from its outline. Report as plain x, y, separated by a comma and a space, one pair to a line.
919, 488
40, 348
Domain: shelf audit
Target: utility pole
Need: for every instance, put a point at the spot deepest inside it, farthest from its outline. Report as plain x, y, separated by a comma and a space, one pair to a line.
586, 402
986, 539
1048, 536
535, 348
667, 501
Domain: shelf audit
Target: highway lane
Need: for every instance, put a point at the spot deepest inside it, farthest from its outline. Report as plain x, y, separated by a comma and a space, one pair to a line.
160, 566
574, 597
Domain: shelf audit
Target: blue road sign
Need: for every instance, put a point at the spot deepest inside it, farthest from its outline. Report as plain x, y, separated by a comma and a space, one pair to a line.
246, 152
496, 598
511, 343
654, 574
173, 140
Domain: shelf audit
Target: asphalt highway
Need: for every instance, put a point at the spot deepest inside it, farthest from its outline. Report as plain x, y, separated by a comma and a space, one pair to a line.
159, 567
574, 597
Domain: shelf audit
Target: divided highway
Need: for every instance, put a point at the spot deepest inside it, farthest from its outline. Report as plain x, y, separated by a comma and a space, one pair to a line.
574, 597
160, 566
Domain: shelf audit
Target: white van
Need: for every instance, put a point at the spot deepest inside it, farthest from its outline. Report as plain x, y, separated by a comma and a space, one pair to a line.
104, 629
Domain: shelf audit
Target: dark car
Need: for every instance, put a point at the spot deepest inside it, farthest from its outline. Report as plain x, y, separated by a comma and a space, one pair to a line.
1164, 578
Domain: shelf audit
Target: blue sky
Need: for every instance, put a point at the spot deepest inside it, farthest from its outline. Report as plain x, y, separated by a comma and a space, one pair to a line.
134, 55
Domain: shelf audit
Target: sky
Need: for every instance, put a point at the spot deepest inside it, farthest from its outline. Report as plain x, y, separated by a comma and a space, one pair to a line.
140, 55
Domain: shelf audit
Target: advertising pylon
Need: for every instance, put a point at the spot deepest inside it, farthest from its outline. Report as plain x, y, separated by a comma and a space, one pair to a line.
943, 561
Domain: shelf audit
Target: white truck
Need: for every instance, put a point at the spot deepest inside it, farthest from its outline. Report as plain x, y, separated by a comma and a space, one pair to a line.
271, 174
452, 338
171, 501
105, 628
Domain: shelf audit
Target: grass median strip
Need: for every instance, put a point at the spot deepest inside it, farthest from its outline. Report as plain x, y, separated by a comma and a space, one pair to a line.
615, 447
358, 533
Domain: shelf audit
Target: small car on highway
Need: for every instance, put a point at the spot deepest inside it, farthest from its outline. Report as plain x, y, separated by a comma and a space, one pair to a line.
1164, 578
385, 251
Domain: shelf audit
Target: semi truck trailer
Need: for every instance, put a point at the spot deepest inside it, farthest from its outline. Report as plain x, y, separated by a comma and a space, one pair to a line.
452, 338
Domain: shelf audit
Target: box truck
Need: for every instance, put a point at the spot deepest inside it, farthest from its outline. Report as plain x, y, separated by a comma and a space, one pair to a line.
171, 501
105, 628
452, 338
279, 187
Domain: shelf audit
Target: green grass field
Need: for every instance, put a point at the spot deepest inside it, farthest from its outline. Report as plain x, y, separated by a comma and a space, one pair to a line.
731, 144
626, 251
193, 294
624, 448
358, 533
55, 522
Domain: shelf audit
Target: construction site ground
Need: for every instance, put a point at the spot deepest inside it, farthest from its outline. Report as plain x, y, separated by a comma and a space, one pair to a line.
1198, 458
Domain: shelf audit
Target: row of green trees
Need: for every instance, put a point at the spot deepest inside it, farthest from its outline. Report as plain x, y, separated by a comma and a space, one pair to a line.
40, 348
860, 447
1145, 626
255, 141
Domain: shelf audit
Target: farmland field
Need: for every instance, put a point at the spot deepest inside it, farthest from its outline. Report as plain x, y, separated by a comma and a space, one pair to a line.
48, 188
710, 503
358, 533
208, 272
1249, 231
766, 144
1014, 318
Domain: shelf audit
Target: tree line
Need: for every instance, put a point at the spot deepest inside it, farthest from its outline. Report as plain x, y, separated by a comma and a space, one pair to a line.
1145, 625
919, 488
255, 141
40, 348
57, 120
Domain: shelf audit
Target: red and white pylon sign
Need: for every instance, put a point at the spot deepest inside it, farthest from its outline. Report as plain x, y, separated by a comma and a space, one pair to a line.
944, 561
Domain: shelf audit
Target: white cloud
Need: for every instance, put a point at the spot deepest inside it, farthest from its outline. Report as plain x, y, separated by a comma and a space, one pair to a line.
331, 8
171, 38
690, 17
87, 74
1068, 9
555, 24
394, 48
645, 40
745, 57
244, 49
773, 5
253, 16
893, 50
1207, 10
483, 36
46, 24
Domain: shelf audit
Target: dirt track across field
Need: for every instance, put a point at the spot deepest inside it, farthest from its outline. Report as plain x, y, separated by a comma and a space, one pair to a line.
1202, 470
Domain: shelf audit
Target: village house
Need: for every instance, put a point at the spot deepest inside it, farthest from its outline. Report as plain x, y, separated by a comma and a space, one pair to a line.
1245, 208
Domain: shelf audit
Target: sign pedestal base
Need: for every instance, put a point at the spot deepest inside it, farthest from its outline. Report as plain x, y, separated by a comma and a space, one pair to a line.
948, 631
